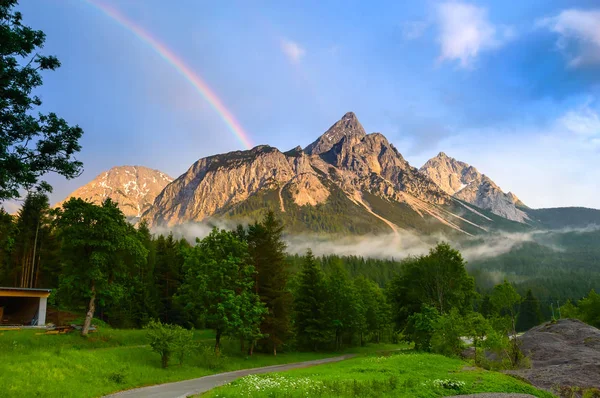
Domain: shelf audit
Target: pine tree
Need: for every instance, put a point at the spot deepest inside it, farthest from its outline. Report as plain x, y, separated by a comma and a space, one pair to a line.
267, 251
169, 259
530, 313
344, 304
7, 239
32, 240
312, 322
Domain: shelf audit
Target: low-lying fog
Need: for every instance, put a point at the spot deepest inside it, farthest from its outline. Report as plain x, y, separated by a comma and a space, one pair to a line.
394, 246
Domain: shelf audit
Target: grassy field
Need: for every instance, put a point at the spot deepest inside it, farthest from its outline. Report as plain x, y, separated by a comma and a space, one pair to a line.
111, 360
407, 374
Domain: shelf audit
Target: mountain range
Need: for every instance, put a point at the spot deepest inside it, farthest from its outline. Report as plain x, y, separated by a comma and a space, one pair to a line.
345, 182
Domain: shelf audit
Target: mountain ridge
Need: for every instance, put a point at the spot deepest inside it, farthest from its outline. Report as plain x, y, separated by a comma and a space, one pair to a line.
345, 181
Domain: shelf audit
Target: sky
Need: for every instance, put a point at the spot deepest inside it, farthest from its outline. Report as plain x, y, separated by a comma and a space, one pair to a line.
512, 88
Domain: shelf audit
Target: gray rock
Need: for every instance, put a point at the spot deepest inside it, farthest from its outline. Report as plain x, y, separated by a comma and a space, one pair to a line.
563, 354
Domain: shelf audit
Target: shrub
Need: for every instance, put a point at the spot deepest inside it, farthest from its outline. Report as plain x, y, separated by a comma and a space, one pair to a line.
117, 377
210, 359
447, 332
168, 340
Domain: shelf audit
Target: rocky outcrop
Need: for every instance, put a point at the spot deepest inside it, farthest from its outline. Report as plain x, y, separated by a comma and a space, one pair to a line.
133, 188
466, 183
565, 356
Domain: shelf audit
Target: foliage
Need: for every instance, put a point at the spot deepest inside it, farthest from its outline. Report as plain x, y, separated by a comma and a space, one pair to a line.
420, 327
505, 301
98, 248
7, 232
589, 309
586, 310
438, 280
267, 253
313, 327
570, 310
30, 145
344, 307
478, 328
530, 313
447, 332
167, 340
376, 312
218, 285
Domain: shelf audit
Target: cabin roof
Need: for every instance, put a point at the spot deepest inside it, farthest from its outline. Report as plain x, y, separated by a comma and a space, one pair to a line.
23, 292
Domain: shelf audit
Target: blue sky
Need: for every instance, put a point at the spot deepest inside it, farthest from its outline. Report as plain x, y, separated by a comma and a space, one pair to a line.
512, 88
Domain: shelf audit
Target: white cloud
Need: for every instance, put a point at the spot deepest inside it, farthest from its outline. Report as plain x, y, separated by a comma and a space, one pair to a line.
465, 32
292, 50
579, 35
583, 121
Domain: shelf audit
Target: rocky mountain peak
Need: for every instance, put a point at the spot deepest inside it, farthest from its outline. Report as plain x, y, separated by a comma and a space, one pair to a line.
348, 126
466, 183
133, 188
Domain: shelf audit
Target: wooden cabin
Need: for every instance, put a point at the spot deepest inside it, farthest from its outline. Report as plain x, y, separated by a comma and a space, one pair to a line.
23, 306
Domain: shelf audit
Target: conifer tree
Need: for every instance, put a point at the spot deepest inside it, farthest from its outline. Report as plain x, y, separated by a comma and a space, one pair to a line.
312, 322
344, 304
7, 239
267, 251
31, 240
530, 313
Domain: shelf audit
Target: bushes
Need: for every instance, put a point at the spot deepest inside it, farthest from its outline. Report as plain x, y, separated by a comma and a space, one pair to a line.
168, 340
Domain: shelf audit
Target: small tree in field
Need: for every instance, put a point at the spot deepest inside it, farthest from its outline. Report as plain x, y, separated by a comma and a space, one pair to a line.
477, 328
505, 300
168, 340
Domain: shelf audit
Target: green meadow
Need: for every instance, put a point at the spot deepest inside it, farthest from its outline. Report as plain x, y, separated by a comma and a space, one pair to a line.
406, 374
112, 360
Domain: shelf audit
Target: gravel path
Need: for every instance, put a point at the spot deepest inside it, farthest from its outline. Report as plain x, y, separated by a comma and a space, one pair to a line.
196, 386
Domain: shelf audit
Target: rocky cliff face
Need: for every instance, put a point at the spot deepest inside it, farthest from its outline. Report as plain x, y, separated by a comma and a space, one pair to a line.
466, 183
344, 162
133, 188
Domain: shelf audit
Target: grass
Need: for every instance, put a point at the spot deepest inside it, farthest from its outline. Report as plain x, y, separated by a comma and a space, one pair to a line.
407, 374
112, 360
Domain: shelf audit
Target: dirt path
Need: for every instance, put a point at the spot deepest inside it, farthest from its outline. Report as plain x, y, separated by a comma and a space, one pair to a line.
196, 386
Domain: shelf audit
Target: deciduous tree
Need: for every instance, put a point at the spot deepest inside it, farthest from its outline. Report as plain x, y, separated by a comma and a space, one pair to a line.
98, 247
219, 286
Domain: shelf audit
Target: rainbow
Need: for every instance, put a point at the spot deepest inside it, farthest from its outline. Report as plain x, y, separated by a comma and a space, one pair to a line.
196, 81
